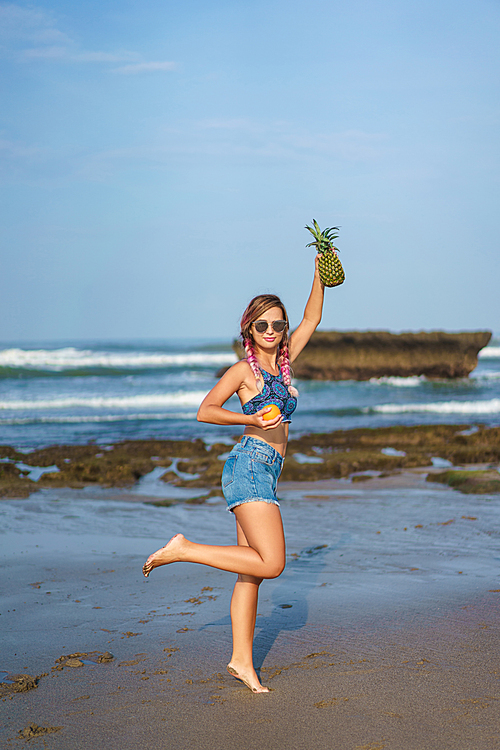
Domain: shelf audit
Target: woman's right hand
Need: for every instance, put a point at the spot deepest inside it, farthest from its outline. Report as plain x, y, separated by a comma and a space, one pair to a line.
266, 424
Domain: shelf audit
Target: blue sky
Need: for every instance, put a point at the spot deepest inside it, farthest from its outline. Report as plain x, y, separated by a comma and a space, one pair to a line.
159, 161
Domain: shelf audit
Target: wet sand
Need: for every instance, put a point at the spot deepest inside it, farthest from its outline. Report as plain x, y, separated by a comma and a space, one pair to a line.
383, 631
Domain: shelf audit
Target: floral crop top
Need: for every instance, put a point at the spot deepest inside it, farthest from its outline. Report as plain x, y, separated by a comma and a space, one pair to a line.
273, 392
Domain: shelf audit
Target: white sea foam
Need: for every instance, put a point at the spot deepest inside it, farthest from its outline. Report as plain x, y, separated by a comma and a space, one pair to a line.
489, 352
71, 358
486, 375
180, 398
392, 452
409, 382
97, 419
492, 406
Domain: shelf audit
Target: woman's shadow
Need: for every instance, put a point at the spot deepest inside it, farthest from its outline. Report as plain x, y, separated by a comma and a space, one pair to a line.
289, 596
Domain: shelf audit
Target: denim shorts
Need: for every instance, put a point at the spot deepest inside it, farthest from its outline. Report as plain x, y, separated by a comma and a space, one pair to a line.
251, 473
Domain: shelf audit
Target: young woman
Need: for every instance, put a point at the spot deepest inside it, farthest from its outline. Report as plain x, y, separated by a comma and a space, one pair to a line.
252, 469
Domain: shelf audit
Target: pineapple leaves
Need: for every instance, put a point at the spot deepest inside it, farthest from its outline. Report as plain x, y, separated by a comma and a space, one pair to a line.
323, 239
314, 232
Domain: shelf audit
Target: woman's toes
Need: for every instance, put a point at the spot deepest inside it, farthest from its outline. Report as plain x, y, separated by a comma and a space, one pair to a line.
162, 556
248, 679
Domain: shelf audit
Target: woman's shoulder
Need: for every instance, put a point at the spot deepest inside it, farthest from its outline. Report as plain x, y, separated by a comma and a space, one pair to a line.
240, 369
238, 377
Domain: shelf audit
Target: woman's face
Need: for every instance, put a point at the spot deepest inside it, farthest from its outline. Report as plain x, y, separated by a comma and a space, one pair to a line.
269, 338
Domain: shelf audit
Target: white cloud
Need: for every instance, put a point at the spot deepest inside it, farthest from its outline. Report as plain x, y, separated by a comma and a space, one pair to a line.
110, 57
282, 138
30, 34
144, 67
45, 53
228, 138
65, 54
28, 24
274, 141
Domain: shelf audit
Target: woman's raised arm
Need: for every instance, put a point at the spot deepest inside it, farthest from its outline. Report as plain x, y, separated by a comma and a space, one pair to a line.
312, 316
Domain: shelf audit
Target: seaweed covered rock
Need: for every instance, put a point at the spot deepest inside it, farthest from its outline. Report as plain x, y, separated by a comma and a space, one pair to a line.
361, 355
481, 482
190, 463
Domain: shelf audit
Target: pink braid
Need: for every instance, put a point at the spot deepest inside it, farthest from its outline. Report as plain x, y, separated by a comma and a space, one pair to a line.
252, 361
285, 369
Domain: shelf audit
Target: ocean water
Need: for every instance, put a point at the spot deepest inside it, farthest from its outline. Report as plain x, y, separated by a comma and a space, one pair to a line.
105, 392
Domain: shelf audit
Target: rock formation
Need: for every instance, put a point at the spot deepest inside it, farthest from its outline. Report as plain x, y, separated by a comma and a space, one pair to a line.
361, 355
194, 465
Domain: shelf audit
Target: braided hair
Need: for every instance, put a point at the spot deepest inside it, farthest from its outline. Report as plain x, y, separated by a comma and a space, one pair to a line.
257, 306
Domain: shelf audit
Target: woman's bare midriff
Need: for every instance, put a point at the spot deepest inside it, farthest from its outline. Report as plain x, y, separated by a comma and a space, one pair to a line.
277, 438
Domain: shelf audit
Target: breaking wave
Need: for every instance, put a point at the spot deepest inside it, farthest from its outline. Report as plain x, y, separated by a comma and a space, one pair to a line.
71, 358
181, 398
489, 352
492, 406
409, 382
98, 419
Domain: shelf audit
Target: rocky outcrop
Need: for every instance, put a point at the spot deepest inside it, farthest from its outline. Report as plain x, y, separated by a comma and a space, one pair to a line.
194, 465
361, 355
475, 482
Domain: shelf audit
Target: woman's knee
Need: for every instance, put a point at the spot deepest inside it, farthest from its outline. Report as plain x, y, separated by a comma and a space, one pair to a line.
275, 568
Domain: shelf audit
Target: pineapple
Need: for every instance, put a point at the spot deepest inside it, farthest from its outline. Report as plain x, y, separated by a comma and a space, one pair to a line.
330, 268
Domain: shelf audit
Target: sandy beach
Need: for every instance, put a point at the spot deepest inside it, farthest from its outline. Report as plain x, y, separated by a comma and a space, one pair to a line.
383, 631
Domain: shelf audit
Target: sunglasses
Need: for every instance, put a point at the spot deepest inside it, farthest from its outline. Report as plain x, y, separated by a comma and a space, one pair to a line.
278, 326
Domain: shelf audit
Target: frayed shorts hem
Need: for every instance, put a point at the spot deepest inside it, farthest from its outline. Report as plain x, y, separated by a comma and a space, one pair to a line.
253, 500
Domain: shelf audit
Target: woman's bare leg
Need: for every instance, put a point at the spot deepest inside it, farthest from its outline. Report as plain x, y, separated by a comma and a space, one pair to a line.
243, 615
263, 558
260, 553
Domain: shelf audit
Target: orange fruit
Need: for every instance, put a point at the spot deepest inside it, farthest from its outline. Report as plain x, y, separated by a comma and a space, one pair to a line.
275, 412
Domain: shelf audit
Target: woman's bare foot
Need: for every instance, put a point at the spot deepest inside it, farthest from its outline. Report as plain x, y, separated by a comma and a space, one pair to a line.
248, 677
167, 554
